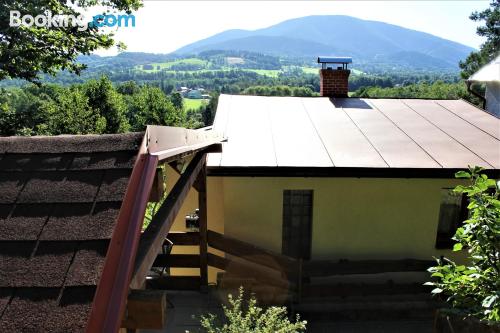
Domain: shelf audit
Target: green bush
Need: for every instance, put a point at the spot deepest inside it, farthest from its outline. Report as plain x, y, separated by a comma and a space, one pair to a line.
474, 289
250, 318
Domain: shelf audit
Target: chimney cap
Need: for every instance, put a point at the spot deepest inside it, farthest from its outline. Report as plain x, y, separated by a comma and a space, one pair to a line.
334, 60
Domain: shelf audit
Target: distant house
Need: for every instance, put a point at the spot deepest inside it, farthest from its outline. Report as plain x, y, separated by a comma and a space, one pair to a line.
194, 94
490, 76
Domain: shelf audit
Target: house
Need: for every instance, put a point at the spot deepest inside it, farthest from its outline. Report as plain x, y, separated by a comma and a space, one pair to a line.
490, 76
194, 94
183, 91
334, 180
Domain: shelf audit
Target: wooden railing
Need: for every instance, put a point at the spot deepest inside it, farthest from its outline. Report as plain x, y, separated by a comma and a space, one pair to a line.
247, 261
178, 261
323, 268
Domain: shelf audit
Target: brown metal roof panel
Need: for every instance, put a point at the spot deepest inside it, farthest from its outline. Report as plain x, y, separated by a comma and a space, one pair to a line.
222, 114
477, 117
444, 149
345, 143
249, 136
220, 124
395, 146
81, 221
295, 139
476, 140
25, 219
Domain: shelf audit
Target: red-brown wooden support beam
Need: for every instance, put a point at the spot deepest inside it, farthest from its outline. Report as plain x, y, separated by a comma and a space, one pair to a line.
153, 237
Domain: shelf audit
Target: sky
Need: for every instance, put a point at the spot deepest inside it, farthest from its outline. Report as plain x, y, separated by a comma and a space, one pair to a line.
164, 26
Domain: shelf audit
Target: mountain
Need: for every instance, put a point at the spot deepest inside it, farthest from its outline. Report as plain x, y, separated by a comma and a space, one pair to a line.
365, 41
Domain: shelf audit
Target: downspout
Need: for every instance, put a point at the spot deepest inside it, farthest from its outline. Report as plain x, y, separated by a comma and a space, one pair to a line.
481, 97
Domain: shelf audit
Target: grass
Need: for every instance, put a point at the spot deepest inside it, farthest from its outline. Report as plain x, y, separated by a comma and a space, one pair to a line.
168, 64
265, 72
194, 104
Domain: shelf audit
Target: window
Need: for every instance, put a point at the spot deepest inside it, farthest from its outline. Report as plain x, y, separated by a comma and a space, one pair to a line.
452, 213
297, 223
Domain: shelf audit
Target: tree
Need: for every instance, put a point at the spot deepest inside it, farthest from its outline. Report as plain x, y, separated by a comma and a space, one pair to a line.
152, 107
25, 51
474, 289
103, 98
491, 47
177, 100
71, 113
208, 111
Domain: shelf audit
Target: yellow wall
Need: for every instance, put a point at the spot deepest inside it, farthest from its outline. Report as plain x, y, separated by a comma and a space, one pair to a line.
215, 218
352, 218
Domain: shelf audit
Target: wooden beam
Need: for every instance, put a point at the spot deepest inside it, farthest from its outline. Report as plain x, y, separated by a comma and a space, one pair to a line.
158, 188
175, 283
357, 289
177, 260
153, 237
240, 269
251, 252
201, 183
174, 166
327, 268
184, 238
146, 309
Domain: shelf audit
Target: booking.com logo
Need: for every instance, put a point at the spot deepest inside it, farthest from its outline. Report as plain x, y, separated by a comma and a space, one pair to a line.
63, 20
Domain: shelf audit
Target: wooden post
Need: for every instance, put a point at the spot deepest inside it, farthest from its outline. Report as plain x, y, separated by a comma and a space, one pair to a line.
146, 309
201, 186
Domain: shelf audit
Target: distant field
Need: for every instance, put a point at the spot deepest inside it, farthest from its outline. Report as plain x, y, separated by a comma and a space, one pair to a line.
265, 72
168, 64
194, 103
205, 65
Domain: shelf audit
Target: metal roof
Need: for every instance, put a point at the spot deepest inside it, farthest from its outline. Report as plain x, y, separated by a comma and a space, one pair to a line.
334, 60
354, 133
488, 73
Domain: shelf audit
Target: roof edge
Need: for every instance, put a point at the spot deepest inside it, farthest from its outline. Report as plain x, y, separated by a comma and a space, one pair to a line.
71, 143
352, 172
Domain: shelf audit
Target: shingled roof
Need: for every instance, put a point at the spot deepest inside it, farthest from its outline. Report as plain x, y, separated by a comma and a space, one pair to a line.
59, 201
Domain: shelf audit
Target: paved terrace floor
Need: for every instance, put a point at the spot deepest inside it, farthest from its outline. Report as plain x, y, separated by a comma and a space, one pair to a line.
184, 309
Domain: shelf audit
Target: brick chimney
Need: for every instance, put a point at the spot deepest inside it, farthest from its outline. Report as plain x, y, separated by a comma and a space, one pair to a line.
334, 81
